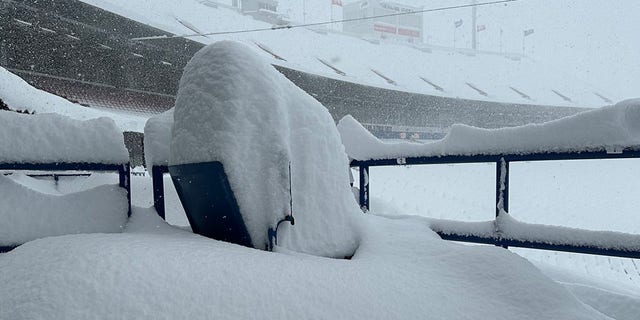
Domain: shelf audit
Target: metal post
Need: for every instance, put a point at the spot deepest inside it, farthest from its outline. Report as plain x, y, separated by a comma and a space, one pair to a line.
474, 31
158, 190
454, 36
502, 194
364, 188
502, 186
124, 174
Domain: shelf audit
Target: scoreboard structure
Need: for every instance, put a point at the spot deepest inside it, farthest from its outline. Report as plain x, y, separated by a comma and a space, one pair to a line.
407, 27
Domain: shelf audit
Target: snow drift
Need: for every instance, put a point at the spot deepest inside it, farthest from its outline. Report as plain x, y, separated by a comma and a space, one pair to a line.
29, 214
235, 108
601, 129
157, 139
51, 138
401, 270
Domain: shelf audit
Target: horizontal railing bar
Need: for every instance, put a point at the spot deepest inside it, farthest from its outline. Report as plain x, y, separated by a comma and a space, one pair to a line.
451, 159
61, 166
4, 249
540, 245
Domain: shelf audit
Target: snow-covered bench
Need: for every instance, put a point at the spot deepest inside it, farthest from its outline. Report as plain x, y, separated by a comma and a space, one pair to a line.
50, 142
606, 133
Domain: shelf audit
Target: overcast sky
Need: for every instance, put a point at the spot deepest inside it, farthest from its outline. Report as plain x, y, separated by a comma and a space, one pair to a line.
596, 41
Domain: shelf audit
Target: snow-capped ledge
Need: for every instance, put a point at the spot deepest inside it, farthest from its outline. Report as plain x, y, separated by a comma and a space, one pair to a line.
608, 128
52, 138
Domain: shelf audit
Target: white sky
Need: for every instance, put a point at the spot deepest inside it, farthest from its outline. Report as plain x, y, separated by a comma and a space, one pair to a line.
596, 41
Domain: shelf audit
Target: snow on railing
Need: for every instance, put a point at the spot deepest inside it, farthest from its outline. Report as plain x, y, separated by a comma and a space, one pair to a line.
50, 142
607, 133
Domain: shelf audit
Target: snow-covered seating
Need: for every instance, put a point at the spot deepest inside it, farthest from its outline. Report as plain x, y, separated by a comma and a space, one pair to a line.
275, 151
157, 140
605, 133
51, 142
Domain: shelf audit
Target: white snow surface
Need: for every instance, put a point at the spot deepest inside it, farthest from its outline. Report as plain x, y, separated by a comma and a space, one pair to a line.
606, 128
401, 270
614, 299
302, 47
19, 95
29, 214
235, 108
51, 138
506, 227
157, 139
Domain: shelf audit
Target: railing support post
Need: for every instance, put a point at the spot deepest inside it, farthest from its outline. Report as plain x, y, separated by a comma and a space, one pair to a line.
124, 174
157, 173
502, 195
502, 186
364, 188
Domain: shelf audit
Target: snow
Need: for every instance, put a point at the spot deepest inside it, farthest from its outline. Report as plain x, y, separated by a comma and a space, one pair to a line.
29, 214
235, 108
511, 228
597, 195
157, 139
401, 270
614, 299
19, 95
35, 184
604, 129
51, 138
508, 228
448, 68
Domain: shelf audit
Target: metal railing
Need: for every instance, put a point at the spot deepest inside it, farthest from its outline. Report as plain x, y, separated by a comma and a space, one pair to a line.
123, 170
502, 162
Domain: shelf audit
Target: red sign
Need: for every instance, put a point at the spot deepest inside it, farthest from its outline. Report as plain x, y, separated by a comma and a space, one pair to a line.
383, 28
409, 32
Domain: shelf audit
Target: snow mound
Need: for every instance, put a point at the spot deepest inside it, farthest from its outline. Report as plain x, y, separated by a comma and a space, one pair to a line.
235, 108
402, 270
50, 138
41, 186
28, 214
157, 139
595, 130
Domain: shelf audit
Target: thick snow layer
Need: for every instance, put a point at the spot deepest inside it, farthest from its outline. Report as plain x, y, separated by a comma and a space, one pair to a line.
19, 95
50, 138
28, 214
38, 185
400, 271
590, 195
606, 128
511, 228
614, 299
506, 227
302, 48
234, 107
157, 139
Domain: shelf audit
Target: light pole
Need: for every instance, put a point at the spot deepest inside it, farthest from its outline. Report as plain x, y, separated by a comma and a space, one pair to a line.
474, 11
